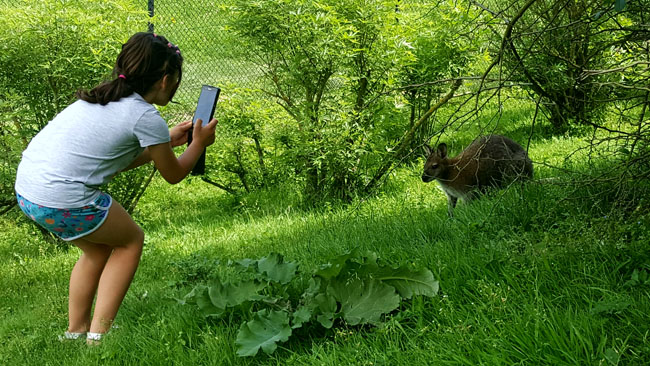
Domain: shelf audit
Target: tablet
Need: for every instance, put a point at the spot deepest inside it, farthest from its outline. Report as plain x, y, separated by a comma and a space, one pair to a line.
204, 111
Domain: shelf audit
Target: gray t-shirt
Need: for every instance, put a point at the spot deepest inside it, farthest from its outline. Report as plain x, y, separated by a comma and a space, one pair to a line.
83, 147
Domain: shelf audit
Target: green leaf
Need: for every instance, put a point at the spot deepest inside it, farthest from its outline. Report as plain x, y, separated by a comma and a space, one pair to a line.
246, 262
217, 293
190, 298
229, 294
276, 270
409, 283
264, 331
351, 261
364, 265
334, 267
313, 289
325, 306
620, 5
326, 320
300, 316
205, 304
244, 265
364, 300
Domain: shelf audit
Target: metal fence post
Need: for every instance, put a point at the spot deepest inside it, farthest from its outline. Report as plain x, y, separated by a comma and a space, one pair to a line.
150, 7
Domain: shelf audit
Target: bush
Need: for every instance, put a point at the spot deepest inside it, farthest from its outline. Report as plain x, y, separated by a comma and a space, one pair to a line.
328, 64
48, 50
252, 148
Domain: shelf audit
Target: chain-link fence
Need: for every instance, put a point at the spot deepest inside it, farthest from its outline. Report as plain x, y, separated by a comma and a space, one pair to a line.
212, 54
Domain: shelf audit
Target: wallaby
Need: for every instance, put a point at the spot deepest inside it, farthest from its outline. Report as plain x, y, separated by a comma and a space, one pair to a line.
489, 161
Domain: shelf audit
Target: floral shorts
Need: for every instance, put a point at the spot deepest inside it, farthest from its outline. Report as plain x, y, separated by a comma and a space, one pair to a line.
68, 223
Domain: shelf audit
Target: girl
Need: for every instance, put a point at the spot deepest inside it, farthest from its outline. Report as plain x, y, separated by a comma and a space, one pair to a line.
112, 128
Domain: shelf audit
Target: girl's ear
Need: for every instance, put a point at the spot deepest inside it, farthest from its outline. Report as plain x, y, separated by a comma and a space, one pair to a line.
167, 81
170, 81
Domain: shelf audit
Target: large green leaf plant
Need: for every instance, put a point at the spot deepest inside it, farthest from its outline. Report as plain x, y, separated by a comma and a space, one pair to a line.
354, 289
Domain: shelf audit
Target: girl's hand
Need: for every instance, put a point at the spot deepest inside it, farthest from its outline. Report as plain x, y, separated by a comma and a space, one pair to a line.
173, 169
204, 134
178, 133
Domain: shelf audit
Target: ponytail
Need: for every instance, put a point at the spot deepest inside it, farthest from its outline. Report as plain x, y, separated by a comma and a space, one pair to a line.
144, 60
108, 91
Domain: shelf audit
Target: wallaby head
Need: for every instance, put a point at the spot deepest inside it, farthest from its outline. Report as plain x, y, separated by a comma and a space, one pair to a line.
437, 164
489, 161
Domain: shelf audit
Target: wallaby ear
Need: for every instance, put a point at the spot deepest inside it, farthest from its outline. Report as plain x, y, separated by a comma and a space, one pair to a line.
427, 149
442, 150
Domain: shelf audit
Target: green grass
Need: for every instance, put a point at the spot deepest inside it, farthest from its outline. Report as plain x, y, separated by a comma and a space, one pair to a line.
539, 275
527, 276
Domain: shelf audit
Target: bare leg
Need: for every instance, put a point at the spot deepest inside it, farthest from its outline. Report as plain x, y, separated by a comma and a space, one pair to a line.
124, 239
83, 284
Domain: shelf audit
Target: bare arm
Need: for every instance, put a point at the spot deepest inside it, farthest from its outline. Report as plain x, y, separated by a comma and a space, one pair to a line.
178, 136
174, 169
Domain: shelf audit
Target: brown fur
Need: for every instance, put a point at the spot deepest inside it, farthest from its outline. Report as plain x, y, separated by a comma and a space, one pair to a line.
489, 161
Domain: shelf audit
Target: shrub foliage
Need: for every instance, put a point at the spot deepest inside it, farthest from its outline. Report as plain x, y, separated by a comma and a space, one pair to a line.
48, 50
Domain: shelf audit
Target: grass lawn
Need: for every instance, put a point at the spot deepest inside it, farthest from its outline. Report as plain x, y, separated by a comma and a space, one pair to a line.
540, 274
533, 275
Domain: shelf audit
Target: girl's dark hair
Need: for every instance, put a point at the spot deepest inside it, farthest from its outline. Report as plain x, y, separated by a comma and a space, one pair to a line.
145, 59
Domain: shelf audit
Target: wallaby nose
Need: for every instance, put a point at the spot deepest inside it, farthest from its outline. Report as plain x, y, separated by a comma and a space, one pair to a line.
426, 178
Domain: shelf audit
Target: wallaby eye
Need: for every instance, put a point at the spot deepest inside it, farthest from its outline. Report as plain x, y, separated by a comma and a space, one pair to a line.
434, 166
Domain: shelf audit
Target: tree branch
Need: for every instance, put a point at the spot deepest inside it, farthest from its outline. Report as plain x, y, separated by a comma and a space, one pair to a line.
218, 185
504, 42
408, 137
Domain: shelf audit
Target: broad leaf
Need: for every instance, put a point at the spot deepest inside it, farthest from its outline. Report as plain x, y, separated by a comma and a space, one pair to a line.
362, 265
190, 298
313, 289
244, 291
244, 265
228, 294
276, 270
409, 283
356, 287
326, 320
325, 306
364, 300
300, 316
217, 294
335, 266
355, 261
369, 260
205, 304
247, 262
264, 331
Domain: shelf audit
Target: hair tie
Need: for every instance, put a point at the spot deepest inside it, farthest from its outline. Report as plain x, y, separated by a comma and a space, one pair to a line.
174, 47
121, 76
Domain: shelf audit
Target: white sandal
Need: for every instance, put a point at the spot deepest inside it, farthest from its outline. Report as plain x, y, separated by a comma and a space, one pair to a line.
94, 338
70, 336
